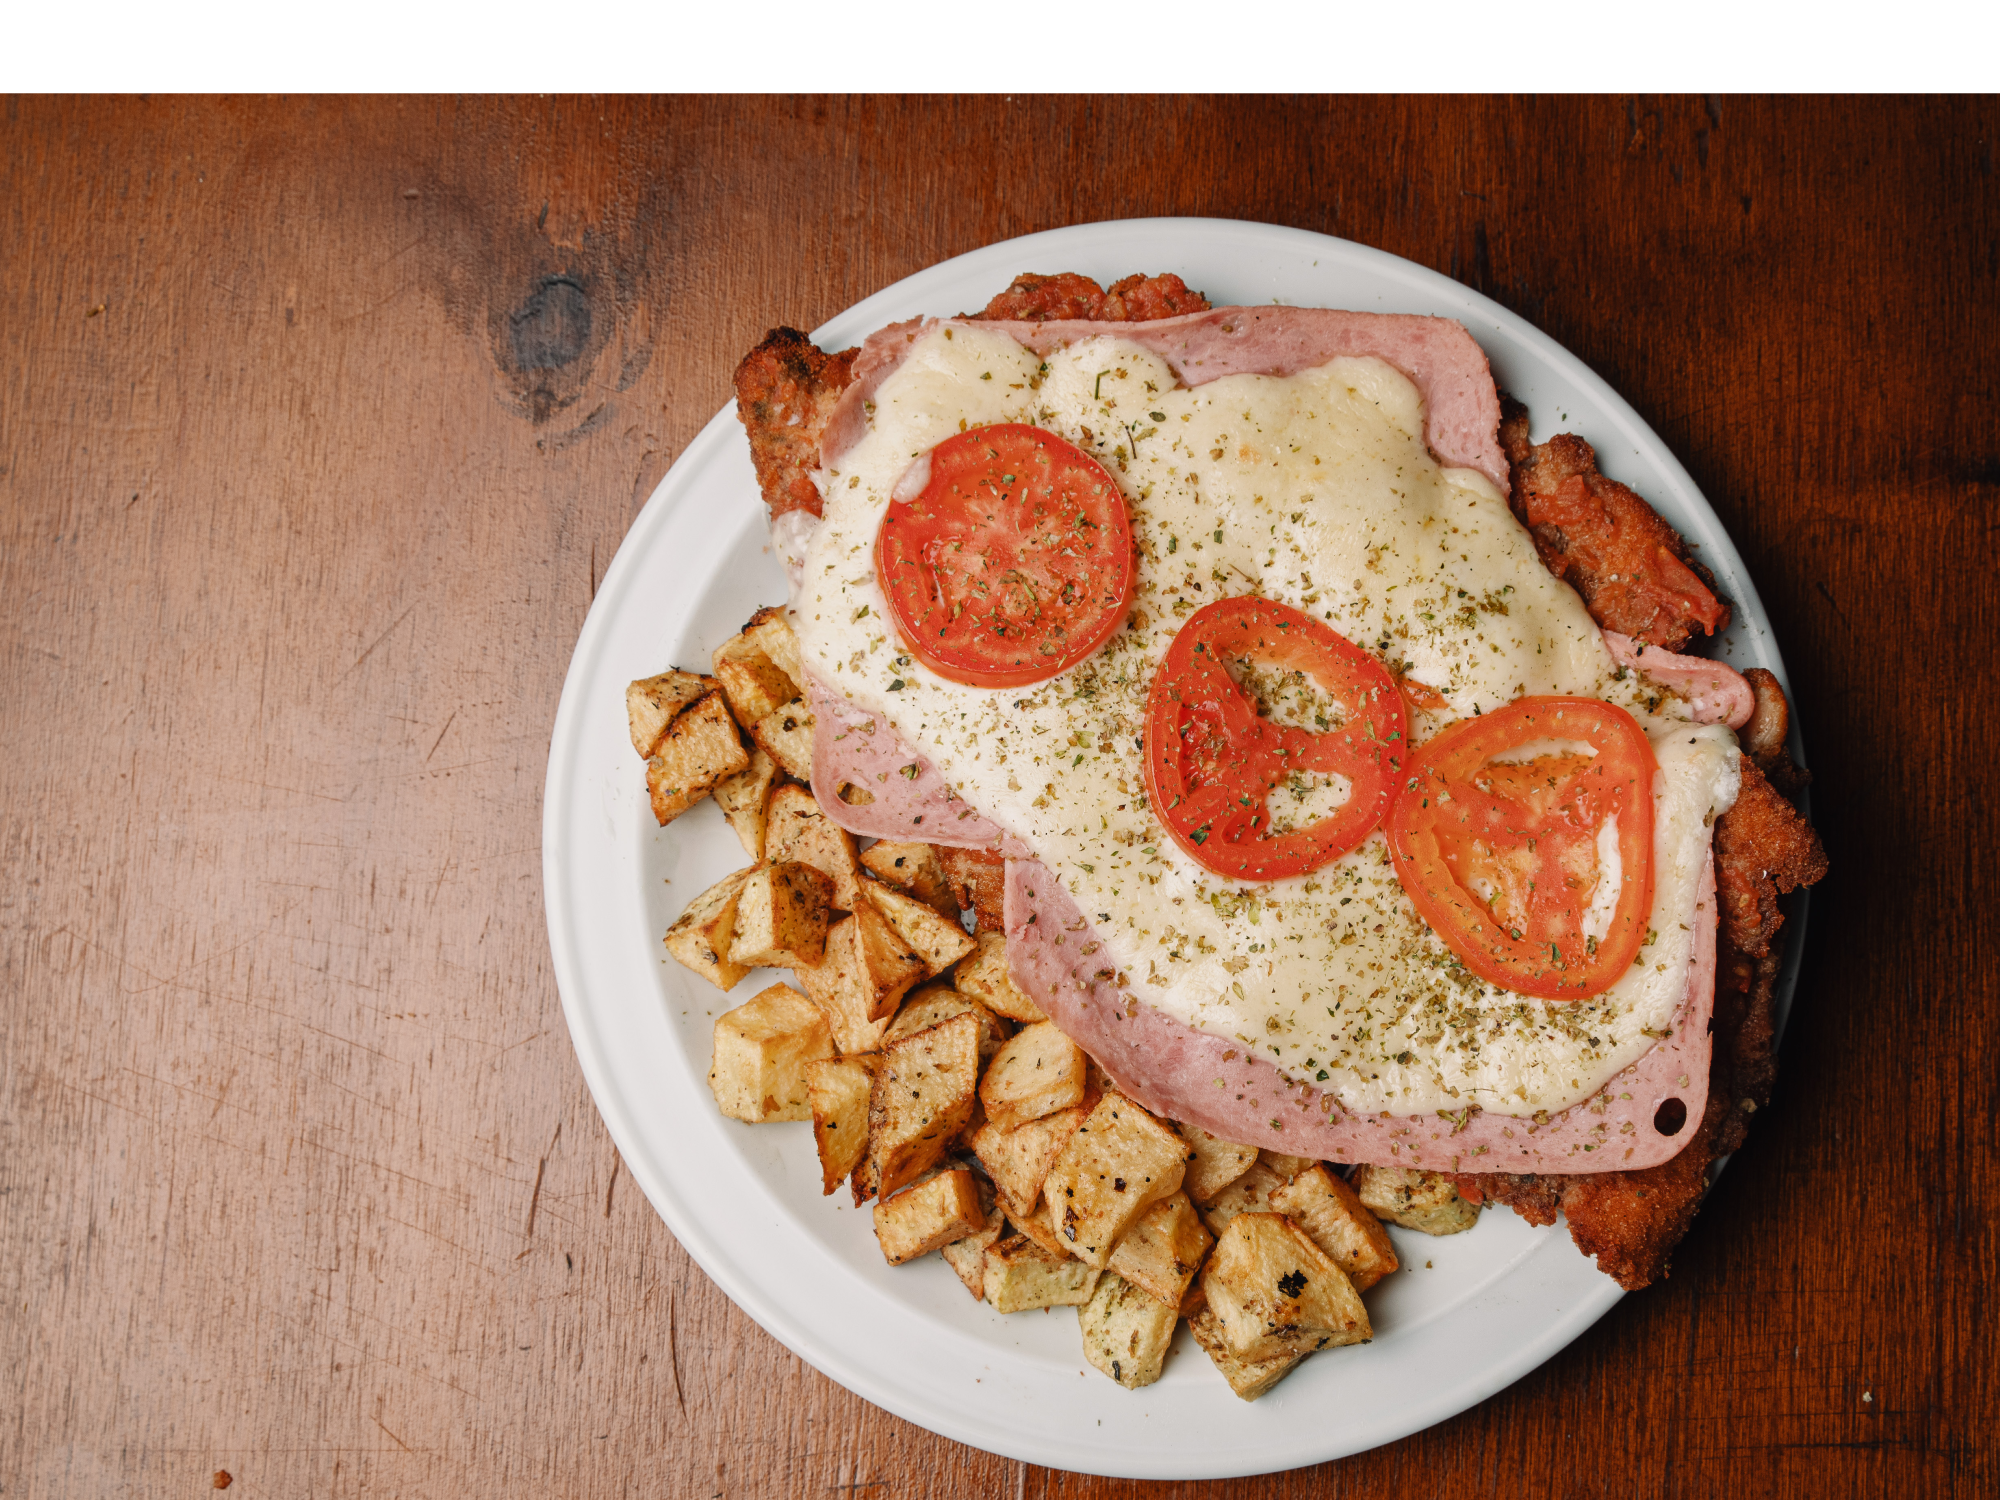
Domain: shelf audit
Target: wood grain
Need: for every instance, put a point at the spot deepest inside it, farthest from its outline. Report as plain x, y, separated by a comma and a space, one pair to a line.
319, 422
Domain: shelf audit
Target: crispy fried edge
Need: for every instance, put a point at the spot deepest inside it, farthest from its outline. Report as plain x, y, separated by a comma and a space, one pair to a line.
786, 388
1630, 1222
1637, 534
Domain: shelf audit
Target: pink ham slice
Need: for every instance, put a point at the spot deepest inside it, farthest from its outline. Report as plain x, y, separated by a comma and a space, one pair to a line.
1717, 694
1205, 1080
1448, 368
852, 748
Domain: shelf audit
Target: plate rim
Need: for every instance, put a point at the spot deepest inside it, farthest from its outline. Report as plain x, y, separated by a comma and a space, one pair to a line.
562, 783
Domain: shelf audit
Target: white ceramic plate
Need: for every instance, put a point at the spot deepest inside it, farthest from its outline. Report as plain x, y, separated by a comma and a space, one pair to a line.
1471, 1314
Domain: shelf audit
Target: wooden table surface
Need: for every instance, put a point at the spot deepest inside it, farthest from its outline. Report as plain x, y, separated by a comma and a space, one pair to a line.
319, 423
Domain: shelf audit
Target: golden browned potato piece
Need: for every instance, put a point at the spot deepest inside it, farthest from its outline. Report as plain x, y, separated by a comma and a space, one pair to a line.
743, 797
1021, 1275
939, 941
1038, 1072
837, 1088
762, 1048
699, 748
923, 1095
772, 634
1250, 1193
925, 1008
652, 703
1249, 1378
1285, 1167
754, 684
1334, 1217
1019, 1160
1120, 1161
1037, 1228
986, 978
795, 828
702, 936
842, 985
928, 1215
913, 869
781, 917
1275, 1292
787, 734
885, 966
1216, 1164
1126, 1332
1163, 1249
967, 1257
1425, 1201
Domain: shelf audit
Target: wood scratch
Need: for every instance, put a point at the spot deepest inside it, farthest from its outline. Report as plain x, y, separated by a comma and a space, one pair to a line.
534, 1203
443, 870
380, 638
392, 1436
674, 1349
535, 1198
441, 734
617, 1161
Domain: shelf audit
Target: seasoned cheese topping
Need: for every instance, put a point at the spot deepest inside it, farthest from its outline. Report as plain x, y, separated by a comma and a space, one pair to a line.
1314, 489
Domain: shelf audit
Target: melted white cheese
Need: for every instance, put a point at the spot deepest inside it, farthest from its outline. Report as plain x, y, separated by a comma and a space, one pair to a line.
1317, 490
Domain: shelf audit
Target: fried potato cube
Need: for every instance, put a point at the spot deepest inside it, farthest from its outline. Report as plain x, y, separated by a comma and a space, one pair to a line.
928, 1215
795, 828
1216, 1164
913, 869
986, 978
1335, 1219
1119, 1162
1249, 1378
837, 1088
1037, 1228
1038, 1072
1194, 1299
1021, 1275
1163, 1249
762, 1048
699, 748
781, 917
967, 1257
923, 1095
653, 703
701, 938
786, 733
743, 797
862, 1182
1019, 1160
978, 880
1275, 1292
925, 1008
939, 941
755, 685
772, 633
1286, 1167
1250, 1193
1424, 1201
1126, 1332
880, 967
841, 985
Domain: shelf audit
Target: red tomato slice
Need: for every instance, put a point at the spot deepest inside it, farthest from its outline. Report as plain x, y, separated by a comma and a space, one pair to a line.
1500, 856
1212, 763
1014, 564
